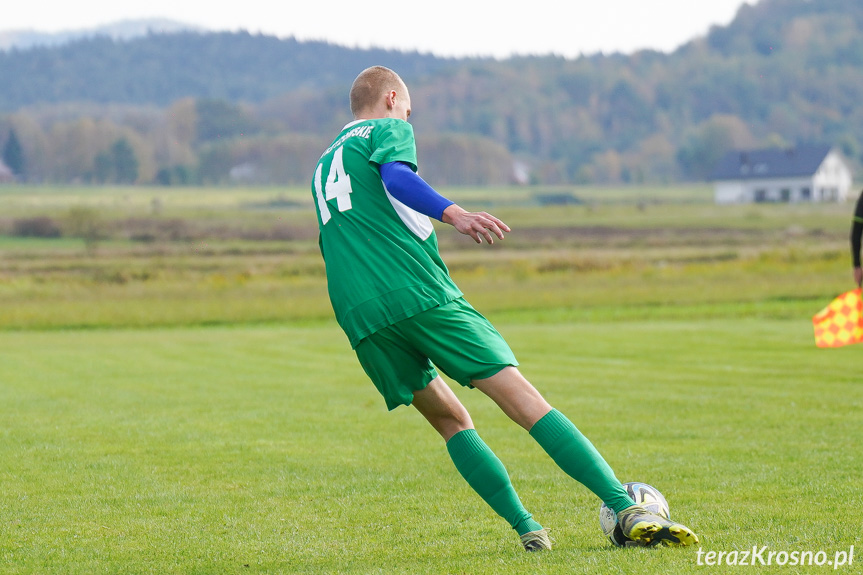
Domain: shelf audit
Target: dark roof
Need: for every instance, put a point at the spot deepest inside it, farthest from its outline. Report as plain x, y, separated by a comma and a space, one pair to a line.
771, 163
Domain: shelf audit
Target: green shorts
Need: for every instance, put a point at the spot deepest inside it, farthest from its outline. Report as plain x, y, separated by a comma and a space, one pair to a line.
400, 359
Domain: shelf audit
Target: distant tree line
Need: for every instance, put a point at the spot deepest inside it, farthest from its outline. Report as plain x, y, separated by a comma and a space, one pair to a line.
205, 142
194, 108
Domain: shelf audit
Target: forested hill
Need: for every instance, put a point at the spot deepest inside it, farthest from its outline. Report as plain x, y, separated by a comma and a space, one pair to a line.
161, 68
782, 72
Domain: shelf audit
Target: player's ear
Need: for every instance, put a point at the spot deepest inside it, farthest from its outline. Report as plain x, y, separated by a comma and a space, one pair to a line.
391, 99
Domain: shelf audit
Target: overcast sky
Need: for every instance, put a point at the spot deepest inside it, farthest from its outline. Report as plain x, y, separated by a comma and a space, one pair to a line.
443, 27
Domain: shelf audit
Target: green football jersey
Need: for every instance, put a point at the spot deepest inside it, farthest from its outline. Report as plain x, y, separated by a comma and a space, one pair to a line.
381, 257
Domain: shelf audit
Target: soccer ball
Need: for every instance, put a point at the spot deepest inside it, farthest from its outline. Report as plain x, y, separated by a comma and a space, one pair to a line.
645, 495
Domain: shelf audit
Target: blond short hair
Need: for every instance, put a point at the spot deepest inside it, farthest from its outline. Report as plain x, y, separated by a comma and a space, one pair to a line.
372, 84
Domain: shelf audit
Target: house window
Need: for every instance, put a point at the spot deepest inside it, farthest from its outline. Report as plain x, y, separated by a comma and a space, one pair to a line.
760, 196
785, 194
805, 194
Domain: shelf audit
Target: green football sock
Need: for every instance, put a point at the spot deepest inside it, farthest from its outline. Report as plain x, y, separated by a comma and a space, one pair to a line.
577, 456
485, 473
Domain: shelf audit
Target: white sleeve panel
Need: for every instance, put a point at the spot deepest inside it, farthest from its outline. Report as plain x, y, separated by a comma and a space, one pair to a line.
416, 222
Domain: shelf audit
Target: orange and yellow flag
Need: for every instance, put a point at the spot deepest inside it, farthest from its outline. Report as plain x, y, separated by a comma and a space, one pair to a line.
841, 322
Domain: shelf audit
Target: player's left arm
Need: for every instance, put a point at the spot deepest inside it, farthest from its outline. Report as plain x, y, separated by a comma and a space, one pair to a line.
411, 190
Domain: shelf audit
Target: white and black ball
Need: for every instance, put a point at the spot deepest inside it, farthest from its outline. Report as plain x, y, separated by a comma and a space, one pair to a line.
643, 494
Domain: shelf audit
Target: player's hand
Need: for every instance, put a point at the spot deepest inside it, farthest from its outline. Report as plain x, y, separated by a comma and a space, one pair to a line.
477, 225
858, 276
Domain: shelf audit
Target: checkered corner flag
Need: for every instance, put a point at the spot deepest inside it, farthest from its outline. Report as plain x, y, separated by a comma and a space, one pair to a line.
841, 322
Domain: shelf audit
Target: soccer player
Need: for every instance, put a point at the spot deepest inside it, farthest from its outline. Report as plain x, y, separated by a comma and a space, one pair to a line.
406, 319
856, 233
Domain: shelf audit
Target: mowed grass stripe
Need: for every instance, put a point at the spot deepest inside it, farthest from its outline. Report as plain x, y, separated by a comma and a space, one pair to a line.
265, 450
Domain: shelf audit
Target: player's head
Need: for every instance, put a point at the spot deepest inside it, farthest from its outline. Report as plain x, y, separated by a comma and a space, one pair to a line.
378, 92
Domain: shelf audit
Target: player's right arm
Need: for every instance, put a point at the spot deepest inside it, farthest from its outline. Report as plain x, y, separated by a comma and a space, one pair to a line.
477, 225
410, 189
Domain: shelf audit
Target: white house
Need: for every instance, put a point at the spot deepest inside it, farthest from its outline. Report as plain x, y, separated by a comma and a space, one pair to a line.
803, 174
6, 174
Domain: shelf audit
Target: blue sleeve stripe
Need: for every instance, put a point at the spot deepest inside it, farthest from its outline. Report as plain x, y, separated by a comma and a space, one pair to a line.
411, 190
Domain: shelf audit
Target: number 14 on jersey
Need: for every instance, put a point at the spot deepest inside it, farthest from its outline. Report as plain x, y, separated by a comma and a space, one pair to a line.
338, 187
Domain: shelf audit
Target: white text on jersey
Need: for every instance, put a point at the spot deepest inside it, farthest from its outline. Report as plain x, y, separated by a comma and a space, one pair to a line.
360, 132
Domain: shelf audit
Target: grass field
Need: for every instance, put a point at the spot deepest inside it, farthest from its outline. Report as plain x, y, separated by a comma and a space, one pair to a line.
188, 405
207, 450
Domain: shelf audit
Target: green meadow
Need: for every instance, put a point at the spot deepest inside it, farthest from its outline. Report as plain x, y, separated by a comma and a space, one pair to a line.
176, 397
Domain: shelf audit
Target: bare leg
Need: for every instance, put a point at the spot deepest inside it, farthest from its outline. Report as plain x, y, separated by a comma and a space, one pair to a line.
476, 462
566, 445
515, 395
440, 406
